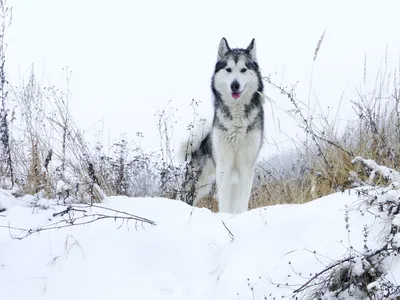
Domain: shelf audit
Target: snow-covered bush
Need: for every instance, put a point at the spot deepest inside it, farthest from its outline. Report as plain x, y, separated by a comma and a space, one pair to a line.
367, 274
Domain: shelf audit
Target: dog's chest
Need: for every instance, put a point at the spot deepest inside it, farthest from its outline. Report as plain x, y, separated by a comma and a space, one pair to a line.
239, 145
236, 127
236, 134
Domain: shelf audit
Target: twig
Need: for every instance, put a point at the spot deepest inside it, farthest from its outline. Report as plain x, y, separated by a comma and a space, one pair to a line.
66, 211
308, 128
232, 237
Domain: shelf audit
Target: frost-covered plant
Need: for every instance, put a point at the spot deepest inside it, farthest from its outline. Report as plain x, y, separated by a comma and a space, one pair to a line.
6, 166
364, 275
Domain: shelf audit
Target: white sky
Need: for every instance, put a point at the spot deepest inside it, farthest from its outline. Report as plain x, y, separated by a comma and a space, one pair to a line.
129, 58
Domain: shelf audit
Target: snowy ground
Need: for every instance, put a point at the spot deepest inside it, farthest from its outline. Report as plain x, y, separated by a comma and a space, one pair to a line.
188, 254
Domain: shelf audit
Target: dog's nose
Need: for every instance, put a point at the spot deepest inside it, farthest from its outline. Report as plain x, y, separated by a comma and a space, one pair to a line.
235, 86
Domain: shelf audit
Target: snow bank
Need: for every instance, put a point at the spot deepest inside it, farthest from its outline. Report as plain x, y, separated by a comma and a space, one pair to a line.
190, 253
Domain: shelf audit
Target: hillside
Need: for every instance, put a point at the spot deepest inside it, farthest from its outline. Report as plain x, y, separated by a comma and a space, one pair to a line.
187, 254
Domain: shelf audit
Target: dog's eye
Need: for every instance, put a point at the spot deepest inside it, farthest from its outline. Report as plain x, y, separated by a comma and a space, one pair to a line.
228, 70
243, 70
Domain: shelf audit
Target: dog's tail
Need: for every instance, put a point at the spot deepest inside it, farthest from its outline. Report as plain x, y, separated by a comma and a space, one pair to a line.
191, 144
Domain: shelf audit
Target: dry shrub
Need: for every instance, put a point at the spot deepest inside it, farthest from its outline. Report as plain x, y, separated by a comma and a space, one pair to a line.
324, 165
47, 148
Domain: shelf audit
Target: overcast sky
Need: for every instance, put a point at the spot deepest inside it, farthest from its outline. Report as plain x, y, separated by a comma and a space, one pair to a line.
129, 58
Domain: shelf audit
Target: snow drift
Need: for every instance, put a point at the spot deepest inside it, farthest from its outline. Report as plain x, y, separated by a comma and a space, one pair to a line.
62, 251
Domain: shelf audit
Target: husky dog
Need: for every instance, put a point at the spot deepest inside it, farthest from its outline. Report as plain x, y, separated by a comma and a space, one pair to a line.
227, 152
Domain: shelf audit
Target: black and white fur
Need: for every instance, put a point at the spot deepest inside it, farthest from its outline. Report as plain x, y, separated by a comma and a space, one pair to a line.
228, 151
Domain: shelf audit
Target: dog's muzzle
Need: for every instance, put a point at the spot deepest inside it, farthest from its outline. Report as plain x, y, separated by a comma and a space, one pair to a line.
235, 88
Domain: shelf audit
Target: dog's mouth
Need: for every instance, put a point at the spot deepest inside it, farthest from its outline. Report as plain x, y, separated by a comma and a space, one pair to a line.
236, 95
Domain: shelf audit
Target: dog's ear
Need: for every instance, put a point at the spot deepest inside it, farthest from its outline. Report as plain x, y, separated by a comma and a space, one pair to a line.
223, 48
252, 50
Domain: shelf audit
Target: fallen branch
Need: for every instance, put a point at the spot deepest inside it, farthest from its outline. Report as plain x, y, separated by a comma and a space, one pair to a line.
71, 220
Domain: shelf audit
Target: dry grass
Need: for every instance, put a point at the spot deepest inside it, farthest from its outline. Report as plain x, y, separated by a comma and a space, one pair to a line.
325, 165
208, 202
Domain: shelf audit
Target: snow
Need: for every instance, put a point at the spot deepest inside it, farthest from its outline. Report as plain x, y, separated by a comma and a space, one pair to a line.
358, 266
396, 221
390, 174
373, 286
188, 254
396, 238
61, 187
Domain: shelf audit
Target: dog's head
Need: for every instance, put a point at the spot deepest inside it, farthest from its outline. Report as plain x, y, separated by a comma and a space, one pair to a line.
237, 74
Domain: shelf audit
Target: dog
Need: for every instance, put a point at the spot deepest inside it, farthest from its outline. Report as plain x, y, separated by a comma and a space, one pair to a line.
226, 153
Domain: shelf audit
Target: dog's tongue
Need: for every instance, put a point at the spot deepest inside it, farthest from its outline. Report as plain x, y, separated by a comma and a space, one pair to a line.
235, 95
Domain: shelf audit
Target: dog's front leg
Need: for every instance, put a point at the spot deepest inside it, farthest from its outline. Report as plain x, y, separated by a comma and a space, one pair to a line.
224, 174
223, 156
246, 174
